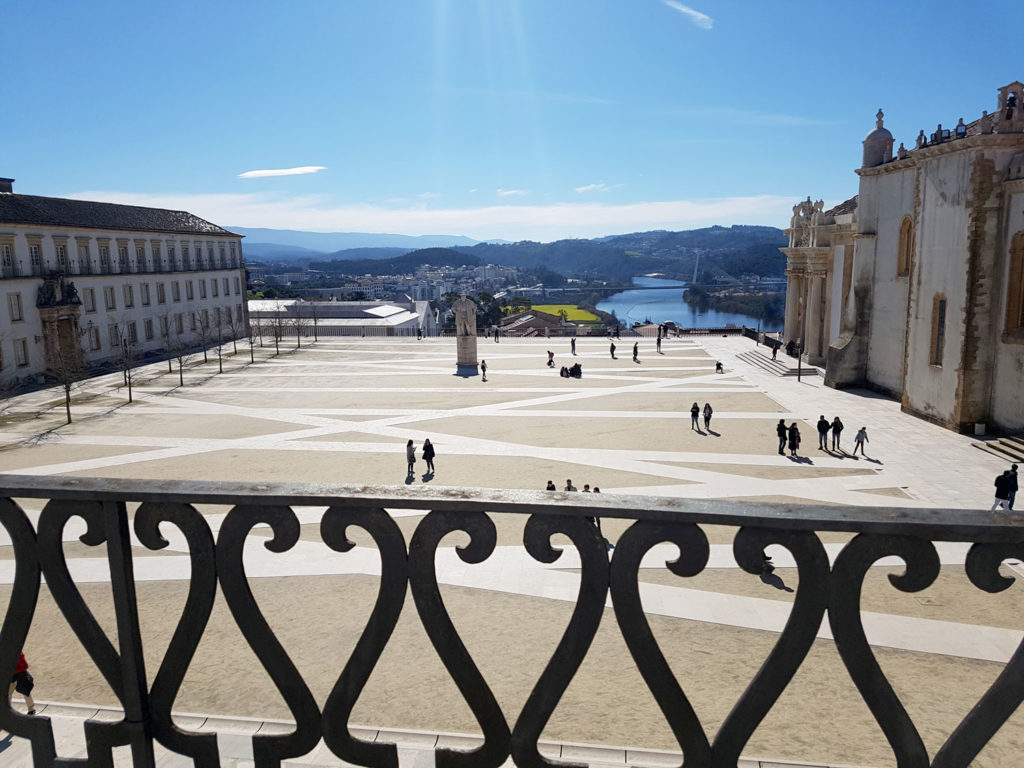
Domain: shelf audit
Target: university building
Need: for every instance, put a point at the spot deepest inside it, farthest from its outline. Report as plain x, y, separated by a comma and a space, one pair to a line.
915, 287
83, 283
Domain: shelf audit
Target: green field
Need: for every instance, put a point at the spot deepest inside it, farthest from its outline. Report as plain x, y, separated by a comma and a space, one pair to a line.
573, 313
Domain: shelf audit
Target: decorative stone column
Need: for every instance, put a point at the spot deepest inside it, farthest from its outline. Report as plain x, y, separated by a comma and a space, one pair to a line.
465, 336
790, 330
812, 342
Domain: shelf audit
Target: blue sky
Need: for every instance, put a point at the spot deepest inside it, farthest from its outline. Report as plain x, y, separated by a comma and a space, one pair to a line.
515, 119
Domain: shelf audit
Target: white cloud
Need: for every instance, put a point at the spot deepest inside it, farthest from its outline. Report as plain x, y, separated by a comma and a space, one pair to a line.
702, 20
283, 172
512, 192
599, 187
510, 222
429, 195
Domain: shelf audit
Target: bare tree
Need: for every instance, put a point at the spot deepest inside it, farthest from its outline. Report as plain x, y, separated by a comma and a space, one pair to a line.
314, 313
235, 327
67, 364
166, 337
127, 353
181, 351
276, 326
204, 331
251, 332
299, 322
218, 322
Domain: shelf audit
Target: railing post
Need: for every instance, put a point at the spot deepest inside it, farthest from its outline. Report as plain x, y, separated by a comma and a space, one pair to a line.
133, 667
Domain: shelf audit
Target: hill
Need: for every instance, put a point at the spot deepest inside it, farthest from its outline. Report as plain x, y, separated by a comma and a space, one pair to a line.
398, 265
329, 242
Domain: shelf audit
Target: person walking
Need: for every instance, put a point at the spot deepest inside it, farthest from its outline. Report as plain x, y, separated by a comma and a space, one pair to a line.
483, 369
837, 430
428, 455
551, 359
859, 440
694, 416
496, 335
707, 416
783, 434
613, 350
22, 682
636, 351
794, 439
572, 345
823, 428
775, 352
659, 343
1012, 486
1002, 485
410, 457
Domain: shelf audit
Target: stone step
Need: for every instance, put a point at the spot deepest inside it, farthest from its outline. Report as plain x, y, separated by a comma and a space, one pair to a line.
779, 367
1006, 448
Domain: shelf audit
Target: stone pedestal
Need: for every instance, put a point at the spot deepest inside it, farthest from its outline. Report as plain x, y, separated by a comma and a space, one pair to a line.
467, 365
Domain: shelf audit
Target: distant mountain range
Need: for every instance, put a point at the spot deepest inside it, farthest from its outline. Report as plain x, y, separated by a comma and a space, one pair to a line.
282, 243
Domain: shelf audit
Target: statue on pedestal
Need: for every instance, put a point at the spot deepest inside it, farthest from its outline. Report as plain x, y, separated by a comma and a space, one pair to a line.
465, 336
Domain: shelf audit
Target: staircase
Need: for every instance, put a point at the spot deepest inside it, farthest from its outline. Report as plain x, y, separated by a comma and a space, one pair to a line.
783, 366
1006, 448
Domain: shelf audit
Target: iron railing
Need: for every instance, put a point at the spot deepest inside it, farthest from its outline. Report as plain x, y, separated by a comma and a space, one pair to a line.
824, 590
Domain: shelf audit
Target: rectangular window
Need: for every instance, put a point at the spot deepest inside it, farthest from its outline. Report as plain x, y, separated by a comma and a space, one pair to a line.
172, 259
227, 286
157, 261
133, 333
114, 336
192, 321
202, 289
21, 352
161, 296
14, 307
238, 313
122, 258
62, 256
33, 257
186, 259
179, 324
109, 301
140, 259
234, 256
213, 285
147, 327
84, 262
238, 286
94, 338
144, 288
89, 299
164, 326
129, 296
938, 329
5, 252
175, 291
105, 259
188, 290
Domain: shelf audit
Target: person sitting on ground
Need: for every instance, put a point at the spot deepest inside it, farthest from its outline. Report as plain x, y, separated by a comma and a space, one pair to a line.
564, 373
569, 486
551, 486
586, 487
718, 367
596, 489
576, 371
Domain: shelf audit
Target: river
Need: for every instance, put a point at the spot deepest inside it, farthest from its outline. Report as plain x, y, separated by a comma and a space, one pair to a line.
661, 301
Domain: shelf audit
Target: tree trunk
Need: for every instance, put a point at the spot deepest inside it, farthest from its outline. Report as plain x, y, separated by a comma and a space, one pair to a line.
67, 401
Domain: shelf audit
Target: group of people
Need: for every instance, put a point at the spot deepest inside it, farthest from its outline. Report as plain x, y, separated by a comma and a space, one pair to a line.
570, 487
428, 456
575, 371
790, 436
1006, 488
695, 413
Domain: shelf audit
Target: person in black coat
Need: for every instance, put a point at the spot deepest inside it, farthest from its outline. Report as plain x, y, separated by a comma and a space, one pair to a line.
794, 439
783, 434
823, 428
428, 455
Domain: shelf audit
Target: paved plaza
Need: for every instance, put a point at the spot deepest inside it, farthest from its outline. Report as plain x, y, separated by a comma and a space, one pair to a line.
342, 410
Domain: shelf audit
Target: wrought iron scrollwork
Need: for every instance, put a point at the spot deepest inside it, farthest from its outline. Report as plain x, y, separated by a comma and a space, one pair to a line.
793, 644
20, 610
575, 642
445, 638
636, 630
848, 572
202, 590
268, 749
390, 599
1007, 692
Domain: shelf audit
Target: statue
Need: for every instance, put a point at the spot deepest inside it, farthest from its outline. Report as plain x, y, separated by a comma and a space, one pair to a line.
465, 333
70, 293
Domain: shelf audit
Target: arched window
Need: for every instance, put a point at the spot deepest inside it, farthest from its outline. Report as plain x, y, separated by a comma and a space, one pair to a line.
1015, 288
906, 252
938, 328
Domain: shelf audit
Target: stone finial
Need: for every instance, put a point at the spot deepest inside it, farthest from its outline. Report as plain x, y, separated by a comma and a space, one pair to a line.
879, 119
902, 152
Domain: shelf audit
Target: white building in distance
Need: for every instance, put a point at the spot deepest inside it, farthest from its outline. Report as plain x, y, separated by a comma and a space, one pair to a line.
926, 265
291, 317
84, 283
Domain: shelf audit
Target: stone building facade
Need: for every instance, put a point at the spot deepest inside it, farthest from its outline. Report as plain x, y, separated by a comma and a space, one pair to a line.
83, 283
935, 310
